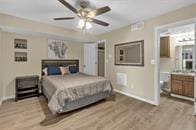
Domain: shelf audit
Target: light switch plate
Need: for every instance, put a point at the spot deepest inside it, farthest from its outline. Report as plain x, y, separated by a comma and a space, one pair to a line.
110, 56
152, 61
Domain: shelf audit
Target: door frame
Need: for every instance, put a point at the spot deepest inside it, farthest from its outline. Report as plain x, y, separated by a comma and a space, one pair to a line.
157, 31
195, 74
105, 57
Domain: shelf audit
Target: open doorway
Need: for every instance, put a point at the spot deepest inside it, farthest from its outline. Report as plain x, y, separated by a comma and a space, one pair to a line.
180, 60
177, 62
101, 59
95, 58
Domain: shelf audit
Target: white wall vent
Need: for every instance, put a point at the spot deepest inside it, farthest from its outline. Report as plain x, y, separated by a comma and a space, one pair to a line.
137, 26
121, 79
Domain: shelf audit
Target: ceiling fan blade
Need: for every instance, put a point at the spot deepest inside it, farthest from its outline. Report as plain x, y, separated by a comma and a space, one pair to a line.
99, 22
99, 11
66, 4
64, 18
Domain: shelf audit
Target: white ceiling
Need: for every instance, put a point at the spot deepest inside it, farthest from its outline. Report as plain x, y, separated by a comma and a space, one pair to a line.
124, 12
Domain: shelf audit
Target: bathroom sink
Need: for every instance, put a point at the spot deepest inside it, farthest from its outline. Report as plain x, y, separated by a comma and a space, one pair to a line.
180, 72
177, 71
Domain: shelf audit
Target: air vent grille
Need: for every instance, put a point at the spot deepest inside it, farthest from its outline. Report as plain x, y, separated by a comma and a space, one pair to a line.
137, 26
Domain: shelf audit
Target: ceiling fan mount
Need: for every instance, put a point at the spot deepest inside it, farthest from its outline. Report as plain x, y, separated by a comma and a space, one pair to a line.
84, 13
84, 4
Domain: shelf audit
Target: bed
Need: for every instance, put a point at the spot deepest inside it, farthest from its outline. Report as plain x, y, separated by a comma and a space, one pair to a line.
73, 91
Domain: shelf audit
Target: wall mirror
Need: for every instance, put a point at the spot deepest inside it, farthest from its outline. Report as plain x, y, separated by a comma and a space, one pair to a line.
184, 58
130, 54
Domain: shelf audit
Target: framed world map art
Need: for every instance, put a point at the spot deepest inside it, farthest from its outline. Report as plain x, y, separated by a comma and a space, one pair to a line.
57, 49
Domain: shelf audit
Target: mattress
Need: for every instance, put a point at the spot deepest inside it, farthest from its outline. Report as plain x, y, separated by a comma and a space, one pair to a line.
63, 90
79, 103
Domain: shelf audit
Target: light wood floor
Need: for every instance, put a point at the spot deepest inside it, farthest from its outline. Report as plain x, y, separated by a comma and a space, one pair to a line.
117, 113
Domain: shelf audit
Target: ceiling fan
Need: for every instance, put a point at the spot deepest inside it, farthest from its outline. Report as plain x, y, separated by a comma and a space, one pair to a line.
86, 16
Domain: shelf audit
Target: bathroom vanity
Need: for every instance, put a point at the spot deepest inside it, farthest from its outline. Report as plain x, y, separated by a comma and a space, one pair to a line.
182, 84
182, 78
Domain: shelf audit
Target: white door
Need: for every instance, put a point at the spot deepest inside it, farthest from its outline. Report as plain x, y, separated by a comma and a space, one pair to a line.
90, 58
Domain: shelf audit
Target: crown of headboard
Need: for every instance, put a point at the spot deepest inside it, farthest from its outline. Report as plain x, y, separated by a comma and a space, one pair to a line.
46, 63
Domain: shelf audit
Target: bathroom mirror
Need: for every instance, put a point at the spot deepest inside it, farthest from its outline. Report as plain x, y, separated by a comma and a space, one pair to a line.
130, 54
185, 58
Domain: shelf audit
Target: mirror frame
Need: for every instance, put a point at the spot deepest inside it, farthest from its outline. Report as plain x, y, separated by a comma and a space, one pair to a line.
141, 42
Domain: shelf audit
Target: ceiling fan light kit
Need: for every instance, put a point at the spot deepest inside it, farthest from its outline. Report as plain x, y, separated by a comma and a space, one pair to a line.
88, 25
86, 17
82, 24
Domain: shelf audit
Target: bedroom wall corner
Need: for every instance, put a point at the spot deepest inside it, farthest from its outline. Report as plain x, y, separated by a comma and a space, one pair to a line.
36, 51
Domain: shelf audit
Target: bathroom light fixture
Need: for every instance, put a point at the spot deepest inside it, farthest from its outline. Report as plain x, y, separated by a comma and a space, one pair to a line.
186, 39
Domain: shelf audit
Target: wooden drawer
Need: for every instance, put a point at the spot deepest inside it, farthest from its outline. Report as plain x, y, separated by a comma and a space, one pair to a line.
177, 77
182, 77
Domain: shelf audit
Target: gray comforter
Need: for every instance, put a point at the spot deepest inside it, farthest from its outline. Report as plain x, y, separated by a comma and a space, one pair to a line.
72, 87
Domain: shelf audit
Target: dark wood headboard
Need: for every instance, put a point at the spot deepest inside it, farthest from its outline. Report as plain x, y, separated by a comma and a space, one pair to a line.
46, 63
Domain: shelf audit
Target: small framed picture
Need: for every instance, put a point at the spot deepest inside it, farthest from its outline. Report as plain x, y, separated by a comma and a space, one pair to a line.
121, 58
121, 52
20, 43
20, 56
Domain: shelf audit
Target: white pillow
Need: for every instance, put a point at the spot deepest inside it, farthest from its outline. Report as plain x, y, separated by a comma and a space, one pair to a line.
45, 71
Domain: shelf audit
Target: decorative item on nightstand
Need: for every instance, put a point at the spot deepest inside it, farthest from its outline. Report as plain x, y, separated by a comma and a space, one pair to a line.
26, 86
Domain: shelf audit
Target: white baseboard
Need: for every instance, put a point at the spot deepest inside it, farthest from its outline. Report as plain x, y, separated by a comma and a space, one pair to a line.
9, 97
6, 98
182, 97
136, 97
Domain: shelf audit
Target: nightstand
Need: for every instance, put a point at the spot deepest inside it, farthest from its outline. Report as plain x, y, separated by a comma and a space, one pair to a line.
26, 86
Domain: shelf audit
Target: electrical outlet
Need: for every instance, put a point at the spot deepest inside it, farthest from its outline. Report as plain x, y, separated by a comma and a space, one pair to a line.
132, 86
